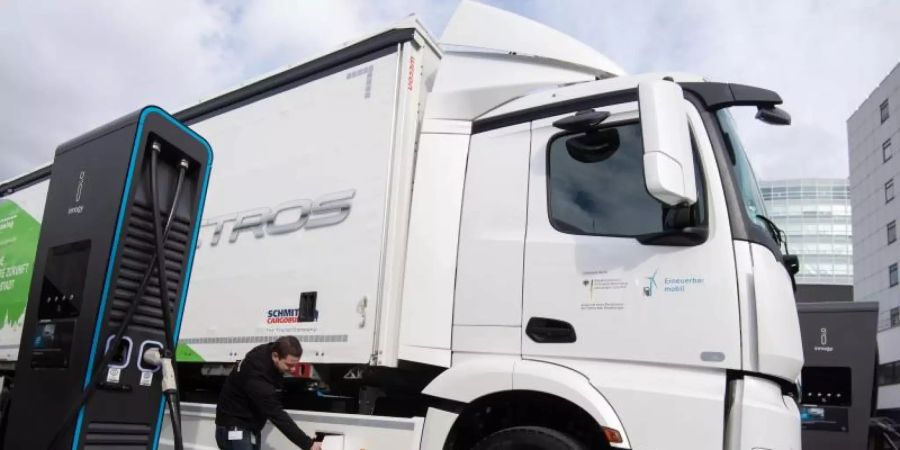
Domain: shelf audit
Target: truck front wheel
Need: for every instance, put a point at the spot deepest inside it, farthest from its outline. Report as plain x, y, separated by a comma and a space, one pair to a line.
528, 438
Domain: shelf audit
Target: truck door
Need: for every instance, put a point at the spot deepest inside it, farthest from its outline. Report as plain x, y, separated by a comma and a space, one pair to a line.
592, 289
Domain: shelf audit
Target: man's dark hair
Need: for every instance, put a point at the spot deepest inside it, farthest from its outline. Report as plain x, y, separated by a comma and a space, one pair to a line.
287, 346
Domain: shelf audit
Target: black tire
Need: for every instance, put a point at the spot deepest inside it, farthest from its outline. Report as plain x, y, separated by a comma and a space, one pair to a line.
528, 438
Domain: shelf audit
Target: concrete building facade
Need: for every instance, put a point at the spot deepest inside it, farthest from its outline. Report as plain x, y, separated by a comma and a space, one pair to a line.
873, 134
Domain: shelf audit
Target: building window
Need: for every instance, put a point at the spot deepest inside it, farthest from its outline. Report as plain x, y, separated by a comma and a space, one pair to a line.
892, 232
895, 317
884, 112
886, 150
892, 274
889, 190
889, 373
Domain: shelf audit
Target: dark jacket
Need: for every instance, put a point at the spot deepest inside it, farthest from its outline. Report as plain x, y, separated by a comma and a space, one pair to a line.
250, 397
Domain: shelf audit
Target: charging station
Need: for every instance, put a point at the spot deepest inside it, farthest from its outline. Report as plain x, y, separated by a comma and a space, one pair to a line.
838, 380
107, 293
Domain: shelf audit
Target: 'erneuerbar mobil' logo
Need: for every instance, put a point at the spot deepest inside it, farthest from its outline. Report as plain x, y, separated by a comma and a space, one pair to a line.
651, 285
673, 285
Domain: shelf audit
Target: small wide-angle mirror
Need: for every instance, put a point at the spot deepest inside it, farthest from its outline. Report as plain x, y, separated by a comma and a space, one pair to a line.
773, 115
593, 146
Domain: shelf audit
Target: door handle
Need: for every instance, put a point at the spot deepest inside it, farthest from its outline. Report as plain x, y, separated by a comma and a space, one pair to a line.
550, 331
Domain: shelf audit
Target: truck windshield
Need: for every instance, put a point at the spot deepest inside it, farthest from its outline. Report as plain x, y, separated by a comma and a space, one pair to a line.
746, 178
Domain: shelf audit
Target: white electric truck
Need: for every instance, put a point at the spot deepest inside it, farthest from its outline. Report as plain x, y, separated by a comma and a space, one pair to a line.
498, 241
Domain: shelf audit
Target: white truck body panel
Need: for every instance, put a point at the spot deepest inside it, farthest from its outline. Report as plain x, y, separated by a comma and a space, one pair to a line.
779, 346
297, 203
744, 270
482, 69
767, 419
431, 261
493, 230
662, 407
437, 426
353, 431
475, 25
21, 214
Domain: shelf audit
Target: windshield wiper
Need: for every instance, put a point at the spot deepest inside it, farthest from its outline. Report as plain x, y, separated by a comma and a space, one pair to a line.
777, 233
791, 262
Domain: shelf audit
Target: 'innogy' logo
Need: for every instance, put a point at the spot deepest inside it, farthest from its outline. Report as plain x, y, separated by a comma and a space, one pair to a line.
79, 189
651, 284
823, 339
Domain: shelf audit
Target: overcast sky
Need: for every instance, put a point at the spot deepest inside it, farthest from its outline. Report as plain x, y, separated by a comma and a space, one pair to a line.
68, 66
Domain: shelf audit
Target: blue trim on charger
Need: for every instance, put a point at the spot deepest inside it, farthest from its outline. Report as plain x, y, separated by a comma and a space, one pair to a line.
159, 419
144, 114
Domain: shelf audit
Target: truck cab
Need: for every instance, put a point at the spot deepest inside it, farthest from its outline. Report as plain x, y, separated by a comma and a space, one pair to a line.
652, 313
600, 266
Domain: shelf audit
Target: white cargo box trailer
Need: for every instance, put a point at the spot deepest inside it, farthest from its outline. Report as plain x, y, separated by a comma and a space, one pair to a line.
306, 220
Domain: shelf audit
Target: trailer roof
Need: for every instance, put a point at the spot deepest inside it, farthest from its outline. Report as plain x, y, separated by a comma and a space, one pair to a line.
350, 55
12, 185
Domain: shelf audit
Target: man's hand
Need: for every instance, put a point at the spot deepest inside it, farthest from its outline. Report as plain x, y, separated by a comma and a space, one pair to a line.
316, 446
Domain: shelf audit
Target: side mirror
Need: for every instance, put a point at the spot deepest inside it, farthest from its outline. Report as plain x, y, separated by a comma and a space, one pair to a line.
773, 115
792, 264
668, 159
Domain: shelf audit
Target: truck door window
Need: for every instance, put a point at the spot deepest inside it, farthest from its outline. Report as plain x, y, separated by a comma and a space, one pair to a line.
595, 185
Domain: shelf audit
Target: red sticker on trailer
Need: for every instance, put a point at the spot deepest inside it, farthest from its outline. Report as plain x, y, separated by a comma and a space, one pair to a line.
411, 74
302, 370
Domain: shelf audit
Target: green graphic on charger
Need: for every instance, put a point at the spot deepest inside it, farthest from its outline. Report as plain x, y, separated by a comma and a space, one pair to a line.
18, 243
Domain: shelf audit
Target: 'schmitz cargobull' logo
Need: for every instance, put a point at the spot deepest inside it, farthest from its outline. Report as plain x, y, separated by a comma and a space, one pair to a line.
287, 217
284, 315
290, 315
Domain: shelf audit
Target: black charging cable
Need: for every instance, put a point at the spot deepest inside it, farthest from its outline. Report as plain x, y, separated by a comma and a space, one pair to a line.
91, 387
169, 384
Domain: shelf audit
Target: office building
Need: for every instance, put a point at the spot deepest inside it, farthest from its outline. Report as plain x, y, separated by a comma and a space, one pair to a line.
815, 216
873, 134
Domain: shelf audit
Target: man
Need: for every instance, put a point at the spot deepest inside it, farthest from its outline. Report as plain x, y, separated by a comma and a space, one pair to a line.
250, 397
